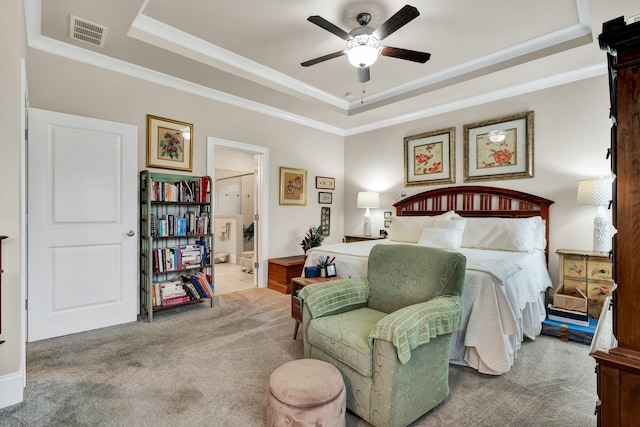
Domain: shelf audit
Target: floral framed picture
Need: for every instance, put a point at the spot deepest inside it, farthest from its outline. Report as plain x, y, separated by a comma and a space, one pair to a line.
500, 148
293, 186
169, 144
429, 158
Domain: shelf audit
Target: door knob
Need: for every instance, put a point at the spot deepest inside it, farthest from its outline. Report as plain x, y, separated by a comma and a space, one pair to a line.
130, 233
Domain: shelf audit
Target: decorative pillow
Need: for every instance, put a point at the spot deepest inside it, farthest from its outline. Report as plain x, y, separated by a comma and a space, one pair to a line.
539, 234
445, 234
504, 234
408, 228
443, 238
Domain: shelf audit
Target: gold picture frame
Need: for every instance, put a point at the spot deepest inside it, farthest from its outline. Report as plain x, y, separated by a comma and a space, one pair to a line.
429, 158
169, 144
499, 148
293, 186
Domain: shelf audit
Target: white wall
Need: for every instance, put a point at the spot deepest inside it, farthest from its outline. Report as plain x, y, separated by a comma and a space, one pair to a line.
571, 135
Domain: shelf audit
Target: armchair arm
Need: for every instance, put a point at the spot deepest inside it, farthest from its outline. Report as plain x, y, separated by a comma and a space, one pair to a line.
414, 325
327, 297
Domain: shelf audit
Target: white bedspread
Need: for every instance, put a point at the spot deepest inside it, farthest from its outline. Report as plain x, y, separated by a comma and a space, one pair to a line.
502, 300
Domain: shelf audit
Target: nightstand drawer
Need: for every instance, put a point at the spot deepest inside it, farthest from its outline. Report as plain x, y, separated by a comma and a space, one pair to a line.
599, 290
599, 270
574, 266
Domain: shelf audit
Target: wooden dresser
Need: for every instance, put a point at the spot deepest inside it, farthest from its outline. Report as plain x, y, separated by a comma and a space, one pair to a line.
618, 368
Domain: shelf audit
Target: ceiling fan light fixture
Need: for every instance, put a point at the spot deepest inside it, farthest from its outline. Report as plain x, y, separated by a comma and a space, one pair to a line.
363, 50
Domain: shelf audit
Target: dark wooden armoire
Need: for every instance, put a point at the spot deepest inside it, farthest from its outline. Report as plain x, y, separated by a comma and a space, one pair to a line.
618, 368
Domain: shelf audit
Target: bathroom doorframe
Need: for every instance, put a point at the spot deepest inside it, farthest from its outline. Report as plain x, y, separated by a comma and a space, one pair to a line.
261, 155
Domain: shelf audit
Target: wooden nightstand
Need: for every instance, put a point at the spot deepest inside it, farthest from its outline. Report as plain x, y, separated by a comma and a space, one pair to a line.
282, 270
298, 283
591, 272
359, 238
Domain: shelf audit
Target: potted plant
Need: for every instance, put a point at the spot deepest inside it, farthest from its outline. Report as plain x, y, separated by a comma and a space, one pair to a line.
312, 239
247, 232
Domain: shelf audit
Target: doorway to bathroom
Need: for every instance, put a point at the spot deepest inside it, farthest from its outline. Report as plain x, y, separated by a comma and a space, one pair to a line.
240, 207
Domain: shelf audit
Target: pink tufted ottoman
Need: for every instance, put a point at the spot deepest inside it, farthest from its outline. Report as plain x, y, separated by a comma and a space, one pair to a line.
306, 392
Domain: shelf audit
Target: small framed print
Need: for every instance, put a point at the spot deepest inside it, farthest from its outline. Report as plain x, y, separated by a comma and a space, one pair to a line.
325, 183
169, 144
331, 270
325, 197
325, 221
387, 215
293, 186
387, 223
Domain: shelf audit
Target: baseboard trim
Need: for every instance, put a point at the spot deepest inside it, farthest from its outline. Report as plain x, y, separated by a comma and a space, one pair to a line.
11, 389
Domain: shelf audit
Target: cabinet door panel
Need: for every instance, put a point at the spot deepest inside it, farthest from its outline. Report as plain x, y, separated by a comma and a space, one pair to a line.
599, 290
599, 270
574, 266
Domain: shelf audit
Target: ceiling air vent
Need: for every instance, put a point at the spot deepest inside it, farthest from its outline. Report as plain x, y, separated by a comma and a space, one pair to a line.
87, 31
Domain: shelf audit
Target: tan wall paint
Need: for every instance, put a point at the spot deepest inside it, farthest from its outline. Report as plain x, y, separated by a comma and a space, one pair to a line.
571, 136
70, 87
11, 51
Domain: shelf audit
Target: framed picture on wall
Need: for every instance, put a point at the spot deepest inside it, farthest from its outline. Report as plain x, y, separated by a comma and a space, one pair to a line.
325, 183
429, 158
169, 144
499, 148
325, 197
293, 186
325, 221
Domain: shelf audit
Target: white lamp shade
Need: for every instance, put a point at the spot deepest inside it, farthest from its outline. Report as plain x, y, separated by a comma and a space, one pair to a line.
368, 199
595, 191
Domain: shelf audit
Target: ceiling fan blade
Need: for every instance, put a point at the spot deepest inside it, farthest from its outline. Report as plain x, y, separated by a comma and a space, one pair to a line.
323, 23
322, 58
363, 75
409, 55
401, 18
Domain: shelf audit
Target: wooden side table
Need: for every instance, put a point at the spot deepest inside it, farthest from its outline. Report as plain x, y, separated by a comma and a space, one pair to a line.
298, 283
359, 238
591, 272
282, 270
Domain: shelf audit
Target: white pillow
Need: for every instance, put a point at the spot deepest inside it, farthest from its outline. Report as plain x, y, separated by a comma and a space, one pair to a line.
504, 234
443, 238
408, 228
539, 234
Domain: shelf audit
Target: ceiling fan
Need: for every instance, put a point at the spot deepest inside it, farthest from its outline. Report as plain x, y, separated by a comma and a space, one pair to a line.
364, 42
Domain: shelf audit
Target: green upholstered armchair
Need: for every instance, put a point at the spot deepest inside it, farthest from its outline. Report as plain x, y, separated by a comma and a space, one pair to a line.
389, 333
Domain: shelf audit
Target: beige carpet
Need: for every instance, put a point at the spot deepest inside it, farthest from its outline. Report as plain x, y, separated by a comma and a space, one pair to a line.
197, 366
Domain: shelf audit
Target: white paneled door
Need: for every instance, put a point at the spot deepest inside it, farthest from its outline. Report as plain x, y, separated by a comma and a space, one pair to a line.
82, 224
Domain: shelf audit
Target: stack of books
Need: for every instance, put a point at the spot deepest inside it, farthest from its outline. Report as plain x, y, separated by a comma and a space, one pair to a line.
569, 324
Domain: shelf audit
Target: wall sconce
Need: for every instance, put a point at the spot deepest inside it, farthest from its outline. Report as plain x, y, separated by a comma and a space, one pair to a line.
366, 200
597, 192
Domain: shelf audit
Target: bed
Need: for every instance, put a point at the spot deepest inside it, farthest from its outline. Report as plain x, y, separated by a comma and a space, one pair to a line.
504, 234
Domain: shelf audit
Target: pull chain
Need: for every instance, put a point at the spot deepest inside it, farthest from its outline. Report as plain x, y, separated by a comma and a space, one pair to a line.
362, 95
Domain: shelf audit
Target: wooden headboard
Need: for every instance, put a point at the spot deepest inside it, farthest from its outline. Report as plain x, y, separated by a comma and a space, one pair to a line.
473, 200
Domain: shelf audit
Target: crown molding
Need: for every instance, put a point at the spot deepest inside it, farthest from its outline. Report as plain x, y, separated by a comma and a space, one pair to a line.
497, 95
55, 47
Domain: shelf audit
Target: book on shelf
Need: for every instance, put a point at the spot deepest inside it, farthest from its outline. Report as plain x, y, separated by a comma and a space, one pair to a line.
194, 191
567, 316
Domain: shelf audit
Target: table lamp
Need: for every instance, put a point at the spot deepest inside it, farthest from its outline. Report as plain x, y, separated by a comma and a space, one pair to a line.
597, 192
368, 199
